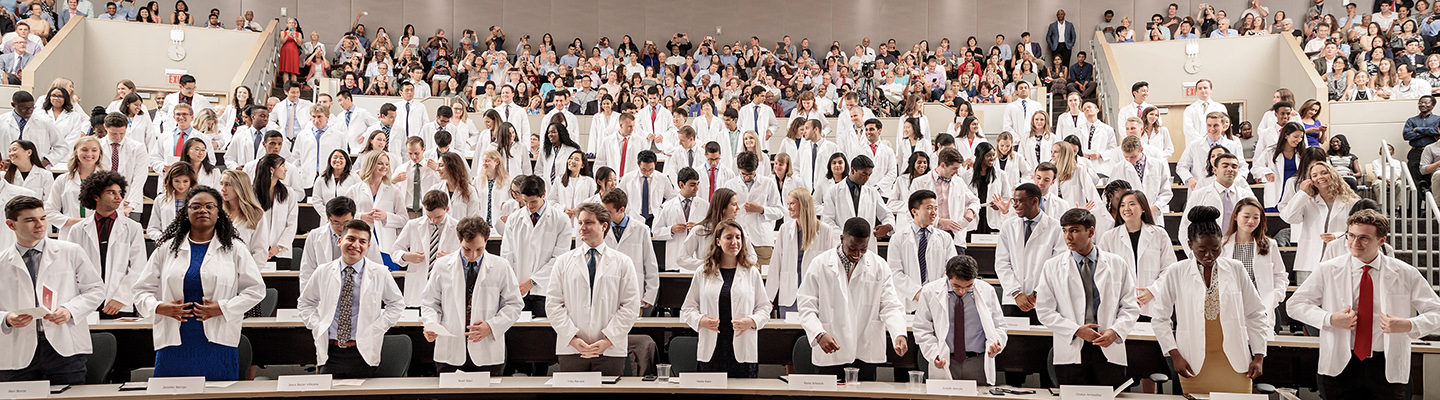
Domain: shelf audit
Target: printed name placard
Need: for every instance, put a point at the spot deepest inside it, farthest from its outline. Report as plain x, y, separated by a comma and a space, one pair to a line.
181, 385
297, 383
465, 380
812, 382
576, 379
704, 380
1083, 392
952, 388
1237, 396
25, 390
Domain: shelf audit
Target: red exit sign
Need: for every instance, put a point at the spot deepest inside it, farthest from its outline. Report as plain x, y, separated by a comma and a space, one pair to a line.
172, 76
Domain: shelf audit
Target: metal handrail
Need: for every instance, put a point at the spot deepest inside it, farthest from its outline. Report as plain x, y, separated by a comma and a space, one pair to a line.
1411, 232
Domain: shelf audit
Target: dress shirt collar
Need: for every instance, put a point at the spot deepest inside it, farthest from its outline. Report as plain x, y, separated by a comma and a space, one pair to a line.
1093, 256
40, 247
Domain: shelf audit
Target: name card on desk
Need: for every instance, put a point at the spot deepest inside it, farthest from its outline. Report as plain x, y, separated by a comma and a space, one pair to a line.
576, 379
704, 380
811, 382
1237, 396
1017, 322
1082, 392
465, 380
951, 388
25, 390
182, 385
297, 383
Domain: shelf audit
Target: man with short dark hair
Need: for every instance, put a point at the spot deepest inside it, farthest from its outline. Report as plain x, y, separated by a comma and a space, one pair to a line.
126, 155
55, 348
1090, 320
185, 95
1025, 243
111, 242
535, 235
849, 331
423, 241
650, 188
473, 297
593, 300
1421, 131
852, 198
958, 324
349, 311
633, 240
916, 254
760, 206
323, 243
20, 123
1060, 36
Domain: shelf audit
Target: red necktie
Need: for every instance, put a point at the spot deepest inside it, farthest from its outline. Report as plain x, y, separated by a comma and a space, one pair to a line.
872, 149
712, 182
1365, 313
653, 113
180, 143
624, 150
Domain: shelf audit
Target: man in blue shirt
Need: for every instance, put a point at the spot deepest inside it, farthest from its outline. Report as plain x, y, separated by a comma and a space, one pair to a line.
1420, 131
1082, 76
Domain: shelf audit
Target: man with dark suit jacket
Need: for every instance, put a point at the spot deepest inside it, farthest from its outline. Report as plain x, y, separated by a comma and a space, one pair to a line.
1327, 59
1061, 37
1413, 55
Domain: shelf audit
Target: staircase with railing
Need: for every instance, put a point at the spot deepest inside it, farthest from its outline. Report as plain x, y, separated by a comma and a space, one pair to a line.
1413, 214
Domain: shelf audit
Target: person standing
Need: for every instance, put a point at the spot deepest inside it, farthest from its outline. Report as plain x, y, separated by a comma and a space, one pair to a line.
917, 254
535, 237
593, 299
196, 293
468, 323
958, 324
1025, 243
113, 243
847, 302
53, 347
1421, 130
1217, 342
727, 305
1362, 305
1086, 297
1060, 36
348, 305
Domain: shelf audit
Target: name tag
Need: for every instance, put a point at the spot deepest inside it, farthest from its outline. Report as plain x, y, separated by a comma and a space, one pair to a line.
952, 388
704, 380
182, 385
1017, 322
465, 380
25, 390
1237, 396
296, 383
1068, 392
576, 379
812, 382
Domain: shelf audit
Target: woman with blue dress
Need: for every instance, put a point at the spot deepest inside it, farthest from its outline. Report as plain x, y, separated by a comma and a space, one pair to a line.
196, 289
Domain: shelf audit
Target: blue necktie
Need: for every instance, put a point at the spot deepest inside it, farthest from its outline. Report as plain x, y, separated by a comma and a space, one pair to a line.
619, 231
591, 265
645, 197
22, 123
347, 117
319, 163
757, 119
407, 119
924, 242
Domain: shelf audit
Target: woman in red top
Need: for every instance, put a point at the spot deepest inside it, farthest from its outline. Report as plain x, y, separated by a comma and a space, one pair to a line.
290, 51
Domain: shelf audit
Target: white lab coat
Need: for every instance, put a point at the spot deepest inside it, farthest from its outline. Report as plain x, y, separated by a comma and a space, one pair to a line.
77, 288
723, 174
786, 265
415, 236
1017, 115
1019, 263
1271, 278
515, 115
1156, 253
606, 311
124, 258
71, 125
380, 307
197, 102
1194, 122
228, 275
1399, 290
1159, 144
1211, 194
840, 207
459, 207
162, 149
496, 301
747, 300
636, 244
49, 141
1079, 189
759, 227
162, 213
489, 194
320, 248
62, 201
933, 322
662, 188
662, 125
389, 198
883, 177
533, 249
1280, 189
1025, 149
550, 166
904, 261
281, 117
608, 154
1309, 217
961, 199
39, 179
1060, 299
818, 152
1156, 183
759, 119
428, 178
1244, 320
409, 123
1000, 185
312, 155
671, 213
279, 226
134, 166
242, 149
602, 126
355, 129
855, 311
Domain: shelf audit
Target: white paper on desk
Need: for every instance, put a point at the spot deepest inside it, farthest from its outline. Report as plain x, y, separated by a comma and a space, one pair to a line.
951, 387
268, 267
984, 239
793, 317
1237, 396
287, 314
465, 380
525, 316
347, 382
219, 385
36, 312
181, 385
575, 379
295, 383
25, 390
1084, 392
1016, 322
410, 314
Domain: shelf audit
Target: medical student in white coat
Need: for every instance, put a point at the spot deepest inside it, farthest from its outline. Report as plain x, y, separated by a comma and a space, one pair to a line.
281, 204
43, 133
1019, 258
726, 305
1195, 159
847, 302
1227, 189
792, 258
199, 283
1141, 242
470, 304
852, 198
1271, 164
759, 204
1218, 340
348, 305
1363, 305
423, 241
950, 353
1319, 209
535, 236
957, 212
380, 203
60, 355
631, 237
679, 215
919, 249
593, 299
1248, 243
322, 244
1089, 324
110, 242
1145, 173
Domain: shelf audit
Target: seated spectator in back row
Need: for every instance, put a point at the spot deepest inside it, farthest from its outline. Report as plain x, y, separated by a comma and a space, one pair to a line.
22, 30
14, 62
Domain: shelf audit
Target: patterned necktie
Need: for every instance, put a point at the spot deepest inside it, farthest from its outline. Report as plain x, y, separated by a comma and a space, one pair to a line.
1140, 170
472, 271
434, 243
347, 117
685, 204
345, 318
290, 127
800, 256
32, 263
489, 198
624, 151
1090, 143
415, 188
114, 156
618, 229
924, 242
534, 218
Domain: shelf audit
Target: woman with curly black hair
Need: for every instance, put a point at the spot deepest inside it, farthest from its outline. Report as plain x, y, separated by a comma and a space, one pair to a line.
195, 290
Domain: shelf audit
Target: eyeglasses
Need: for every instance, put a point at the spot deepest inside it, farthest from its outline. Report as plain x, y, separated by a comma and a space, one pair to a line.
202, 206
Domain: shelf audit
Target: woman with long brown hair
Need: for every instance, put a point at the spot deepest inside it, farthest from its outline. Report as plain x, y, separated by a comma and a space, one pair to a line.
726, 305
